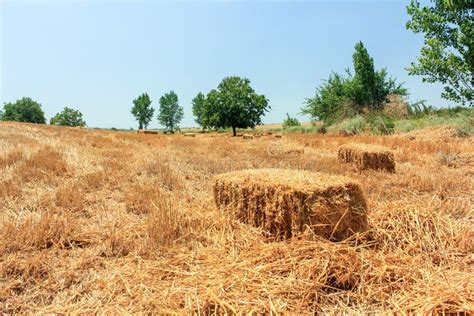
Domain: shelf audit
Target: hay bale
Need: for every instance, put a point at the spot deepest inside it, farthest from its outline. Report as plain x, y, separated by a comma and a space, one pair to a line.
279, 136
365, 156
189, 135
248, 136
147, 131
286, 203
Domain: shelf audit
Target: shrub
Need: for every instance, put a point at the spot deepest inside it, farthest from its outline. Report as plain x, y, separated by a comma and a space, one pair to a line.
354, 125
290, 121
381, 124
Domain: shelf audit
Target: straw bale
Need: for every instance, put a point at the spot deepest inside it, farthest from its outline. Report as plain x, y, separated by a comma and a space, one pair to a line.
189, 135
248, 136
285, 203
365, 156
147, 131
278, 136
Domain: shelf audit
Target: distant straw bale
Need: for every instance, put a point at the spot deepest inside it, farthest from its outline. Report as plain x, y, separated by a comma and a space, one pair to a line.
365, 156
278, 136
396, 106
147, 131
248, 136
285, 203
189, 135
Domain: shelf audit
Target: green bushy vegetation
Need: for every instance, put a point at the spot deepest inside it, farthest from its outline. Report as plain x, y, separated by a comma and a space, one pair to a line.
233, 104
346, 96
290, 121
68, 117
459, 117
23, 110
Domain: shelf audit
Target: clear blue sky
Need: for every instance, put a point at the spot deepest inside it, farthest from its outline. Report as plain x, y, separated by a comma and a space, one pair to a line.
97, 56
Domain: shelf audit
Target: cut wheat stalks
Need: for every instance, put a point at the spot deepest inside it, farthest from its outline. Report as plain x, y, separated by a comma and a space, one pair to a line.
364, 156
285, 203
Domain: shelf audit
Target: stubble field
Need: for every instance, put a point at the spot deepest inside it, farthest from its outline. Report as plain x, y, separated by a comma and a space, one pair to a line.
102, 221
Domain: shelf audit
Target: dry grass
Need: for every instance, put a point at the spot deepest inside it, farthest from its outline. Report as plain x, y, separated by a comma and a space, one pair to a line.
113, 222
44, 164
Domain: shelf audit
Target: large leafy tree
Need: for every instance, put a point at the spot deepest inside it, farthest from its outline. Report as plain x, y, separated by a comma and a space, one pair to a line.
142, 110
68, 117
23, 110
234, 104
170, 114
448, 52
199, 103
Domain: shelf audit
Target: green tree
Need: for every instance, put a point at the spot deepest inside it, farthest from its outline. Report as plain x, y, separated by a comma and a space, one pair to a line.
142, 110
234, 104
329, 99
364, 78
199, 103
170, 114
448, 52
23, 110
343, 96
68, 117
290, 121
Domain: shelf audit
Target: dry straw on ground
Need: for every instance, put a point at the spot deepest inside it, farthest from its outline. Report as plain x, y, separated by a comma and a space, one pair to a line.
285, 203
365, 156
75, 237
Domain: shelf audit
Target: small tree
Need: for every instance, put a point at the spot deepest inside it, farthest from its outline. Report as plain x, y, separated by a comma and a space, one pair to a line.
199, 104
68, 117
329, 99
290, 121
170, 114
234, 104
364, 76
448, 54
23, 110
142, 110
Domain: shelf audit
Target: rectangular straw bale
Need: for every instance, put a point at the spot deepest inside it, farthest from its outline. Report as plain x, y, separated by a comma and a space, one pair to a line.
248, 136
189, 135
285, 203
147, 131
365, 156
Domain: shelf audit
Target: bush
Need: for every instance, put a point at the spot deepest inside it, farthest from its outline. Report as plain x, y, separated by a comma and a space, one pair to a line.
354, 125
381, 124
290, 121
351, 126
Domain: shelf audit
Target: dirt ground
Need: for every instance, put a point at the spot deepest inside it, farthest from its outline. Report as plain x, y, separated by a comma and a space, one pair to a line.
102, 221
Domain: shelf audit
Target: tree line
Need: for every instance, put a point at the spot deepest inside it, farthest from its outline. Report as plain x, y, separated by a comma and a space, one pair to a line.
447, 57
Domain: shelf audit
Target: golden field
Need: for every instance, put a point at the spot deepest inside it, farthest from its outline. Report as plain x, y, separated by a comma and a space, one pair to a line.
115, 222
